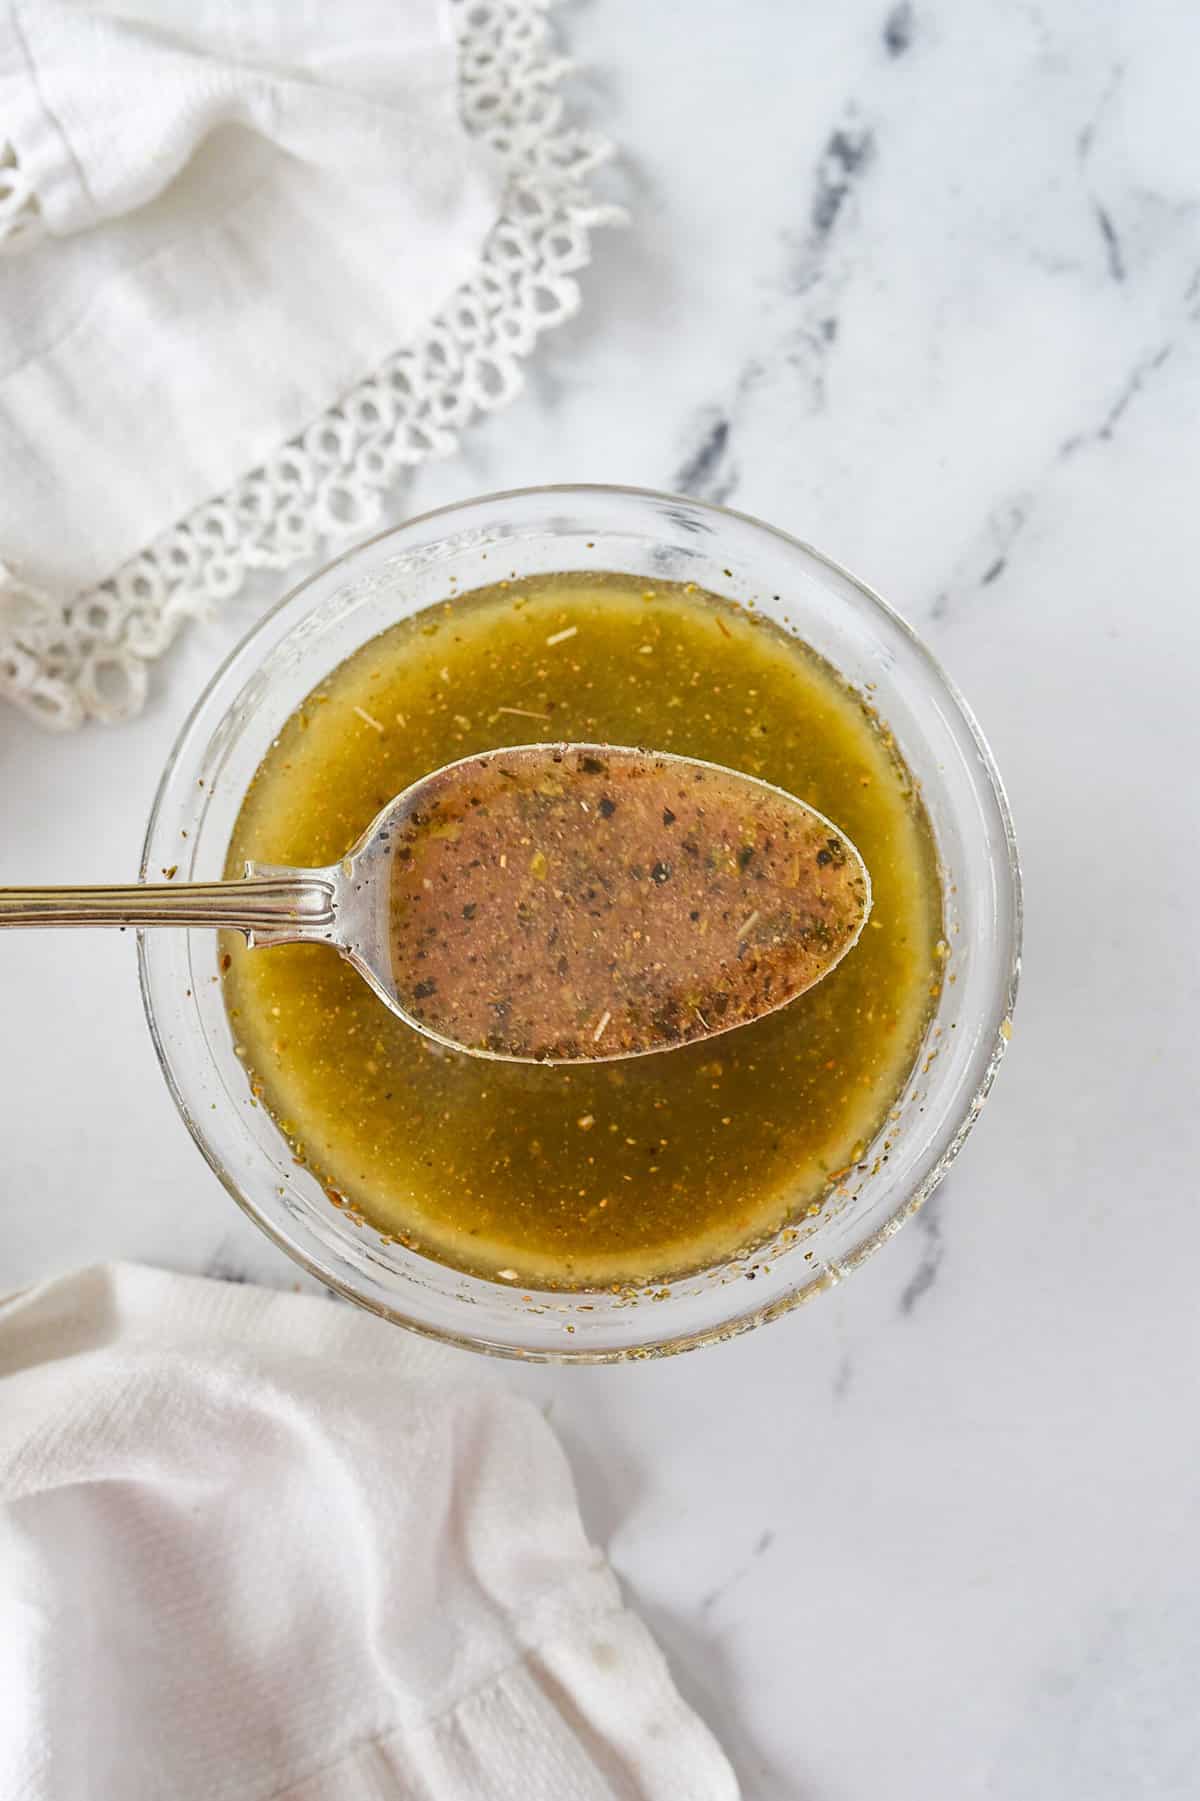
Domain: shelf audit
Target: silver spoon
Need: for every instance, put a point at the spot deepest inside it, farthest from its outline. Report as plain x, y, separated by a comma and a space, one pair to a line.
549, 903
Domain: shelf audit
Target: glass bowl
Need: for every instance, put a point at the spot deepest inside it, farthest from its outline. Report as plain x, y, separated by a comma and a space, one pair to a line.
662, 537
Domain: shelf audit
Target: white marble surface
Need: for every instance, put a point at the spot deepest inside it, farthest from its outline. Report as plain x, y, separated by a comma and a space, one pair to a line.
924, 287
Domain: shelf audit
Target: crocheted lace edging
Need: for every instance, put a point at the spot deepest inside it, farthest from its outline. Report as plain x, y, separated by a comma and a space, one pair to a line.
88, 658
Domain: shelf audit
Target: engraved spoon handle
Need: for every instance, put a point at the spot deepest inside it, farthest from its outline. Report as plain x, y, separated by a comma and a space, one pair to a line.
275, 907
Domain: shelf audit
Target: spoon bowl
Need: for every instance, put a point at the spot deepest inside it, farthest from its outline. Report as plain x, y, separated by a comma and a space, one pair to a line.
581, 903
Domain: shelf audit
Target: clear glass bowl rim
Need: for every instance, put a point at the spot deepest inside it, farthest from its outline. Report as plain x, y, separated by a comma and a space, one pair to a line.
954, 1130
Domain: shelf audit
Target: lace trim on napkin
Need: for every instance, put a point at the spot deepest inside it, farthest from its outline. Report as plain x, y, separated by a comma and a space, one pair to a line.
88, 658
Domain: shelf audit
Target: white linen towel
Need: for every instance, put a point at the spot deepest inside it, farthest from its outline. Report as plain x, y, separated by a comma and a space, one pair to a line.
260, 1547
258, 262
237, 212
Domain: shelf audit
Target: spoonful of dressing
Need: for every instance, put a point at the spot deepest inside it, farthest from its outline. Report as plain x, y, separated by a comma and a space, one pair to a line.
550, 903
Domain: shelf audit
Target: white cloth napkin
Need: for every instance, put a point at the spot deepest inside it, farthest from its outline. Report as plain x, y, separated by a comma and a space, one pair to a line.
256, 1545
230, 214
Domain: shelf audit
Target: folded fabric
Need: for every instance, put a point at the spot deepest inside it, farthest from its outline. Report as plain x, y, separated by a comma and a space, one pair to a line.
229, 215
256, 1545
257, 264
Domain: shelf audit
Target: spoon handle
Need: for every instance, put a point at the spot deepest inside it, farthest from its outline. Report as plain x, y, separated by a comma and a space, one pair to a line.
277, 907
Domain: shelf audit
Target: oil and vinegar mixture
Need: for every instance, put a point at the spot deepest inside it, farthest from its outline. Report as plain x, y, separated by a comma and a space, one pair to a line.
588, 1175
